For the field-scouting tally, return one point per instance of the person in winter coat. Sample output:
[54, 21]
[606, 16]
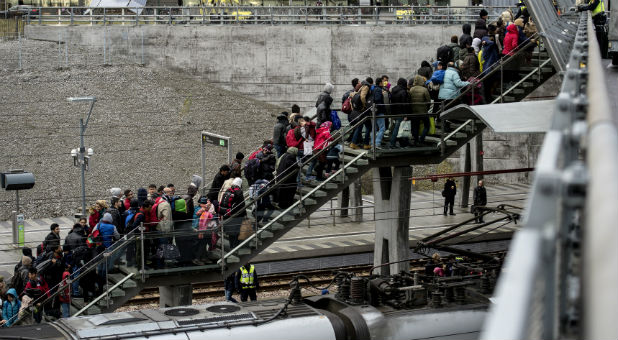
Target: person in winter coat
[233, 203]
[52, 240]
[294, 137]
[490, 54]
[465, 40]
[10, 308]
[96, 212]
[425, 70]
[65, 294]
[279, 134]
[476, 45]
[480, 200]
[470, 65]
[322, 139]
[454, 45]
[480, 26]
[217, 183]
[452, 84]
[420, 99]
[114, 210]
[400, 100]
[510, 40]
[449, 192]
[108, 231]
[287, 165]
[76, 238]
[323, 103]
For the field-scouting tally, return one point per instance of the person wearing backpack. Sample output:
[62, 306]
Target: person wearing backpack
[233, 202]
[268, 162]
[217, 183]
[400, 98]
[366, 98]
[288, 165]
[279, 133]
[264, 208]
[379, 100]
[114, 210]
[454, 45]
[323, 104]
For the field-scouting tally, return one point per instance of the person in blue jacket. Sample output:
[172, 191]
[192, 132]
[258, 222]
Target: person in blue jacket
[451, 88]
[10, 308]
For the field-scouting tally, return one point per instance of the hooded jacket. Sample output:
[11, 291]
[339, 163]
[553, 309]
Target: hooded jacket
[480, 28]
[466, 38]
[419, 96]
[108, 231]
[490, 54]
[75, 238]
[65, 294]
[452, 84]
[217, 184]
[470, 66]
[279, 130]
[322, 136]
[510, 40]
[10, 310]
[425, 70]
[400, 99]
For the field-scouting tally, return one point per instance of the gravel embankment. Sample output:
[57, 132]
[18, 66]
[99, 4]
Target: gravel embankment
[145, 126]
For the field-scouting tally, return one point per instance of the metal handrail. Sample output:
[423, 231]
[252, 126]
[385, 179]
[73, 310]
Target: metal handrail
[494, 68]
[100, 297]
[454, 132]
[267, 15]
[293, 206]
[523, 79]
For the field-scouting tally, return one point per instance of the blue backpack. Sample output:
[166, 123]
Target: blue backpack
[335, 119]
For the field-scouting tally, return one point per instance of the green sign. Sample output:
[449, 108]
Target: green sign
[21, 232]
[222, 142]
[213, 140]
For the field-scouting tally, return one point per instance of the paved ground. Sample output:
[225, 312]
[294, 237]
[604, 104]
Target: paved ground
[317, 236]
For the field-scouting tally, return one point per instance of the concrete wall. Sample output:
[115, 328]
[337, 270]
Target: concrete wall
[278, 64]
[289, 64]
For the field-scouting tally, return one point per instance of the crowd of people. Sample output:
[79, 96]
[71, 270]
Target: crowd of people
[196, 220]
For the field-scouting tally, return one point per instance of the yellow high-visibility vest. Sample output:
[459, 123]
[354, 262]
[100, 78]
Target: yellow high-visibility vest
[599, 9]
[246, 277]
[523, 5]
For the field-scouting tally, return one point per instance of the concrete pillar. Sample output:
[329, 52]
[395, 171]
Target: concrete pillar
[465, 188]
[343, 202]
[356, 200]
[479, 156]
[172, 296]
[392, 191]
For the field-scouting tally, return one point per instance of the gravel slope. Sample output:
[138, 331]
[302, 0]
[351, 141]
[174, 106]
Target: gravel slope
[144, 127]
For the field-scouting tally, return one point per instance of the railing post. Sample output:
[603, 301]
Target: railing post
[343, 152]
[169, 20]
[538, 56]
[40, 16]
[442, 141]
[19, 51]
[104, 16]
[143, 260]
[222, 248]
[72, 17]
[373, 129]
[502, 81]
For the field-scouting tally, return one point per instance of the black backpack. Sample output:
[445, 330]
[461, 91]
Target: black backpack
[369, 98]
[227, 202]
[357, 103]
[253, 170]
[445, 54]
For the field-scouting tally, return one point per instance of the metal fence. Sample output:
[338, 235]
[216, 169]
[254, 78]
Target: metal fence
[11, 28]
[543, 292]
[252, 15]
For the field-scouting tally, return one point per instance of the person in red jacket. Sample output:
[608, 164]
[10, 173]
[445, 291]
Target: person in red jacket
[510, 40]
[65, 293]
[322, 139]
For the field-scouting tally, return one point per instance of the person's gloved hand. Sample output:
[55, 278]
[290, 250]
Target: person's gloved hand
[581, 8]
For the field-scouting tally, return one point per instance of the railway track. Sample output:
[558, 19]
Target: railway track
[275, 282]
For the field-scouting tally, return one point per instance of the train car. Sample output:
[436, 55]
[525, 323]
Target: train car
[395, 307]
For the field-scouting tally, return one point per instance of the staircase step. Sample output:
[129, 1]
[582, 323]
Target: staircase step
[436, 140]
[79, 303]
[527, 84]
[277, 226]
[307, 201]
[305, 190]
[233, 259]
[518, 91]
[244, 251]
[288, 217]
[351, 170]
[266, 234]
[461, 135]
[360, 161]
[508, 99]
[115, 278]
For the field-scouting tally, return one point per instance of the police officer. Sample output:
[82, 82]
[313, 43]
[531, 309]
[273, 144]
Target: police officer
[247, 282]
[522, 12]
[597, 9]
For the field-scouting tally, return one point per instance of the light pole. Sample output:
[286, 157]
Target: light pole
[81, 155]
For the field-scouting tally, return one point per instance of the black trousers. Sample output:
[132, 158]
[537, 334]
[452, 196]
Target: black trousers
[449, 202]
[478, 213]
[248, 293]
